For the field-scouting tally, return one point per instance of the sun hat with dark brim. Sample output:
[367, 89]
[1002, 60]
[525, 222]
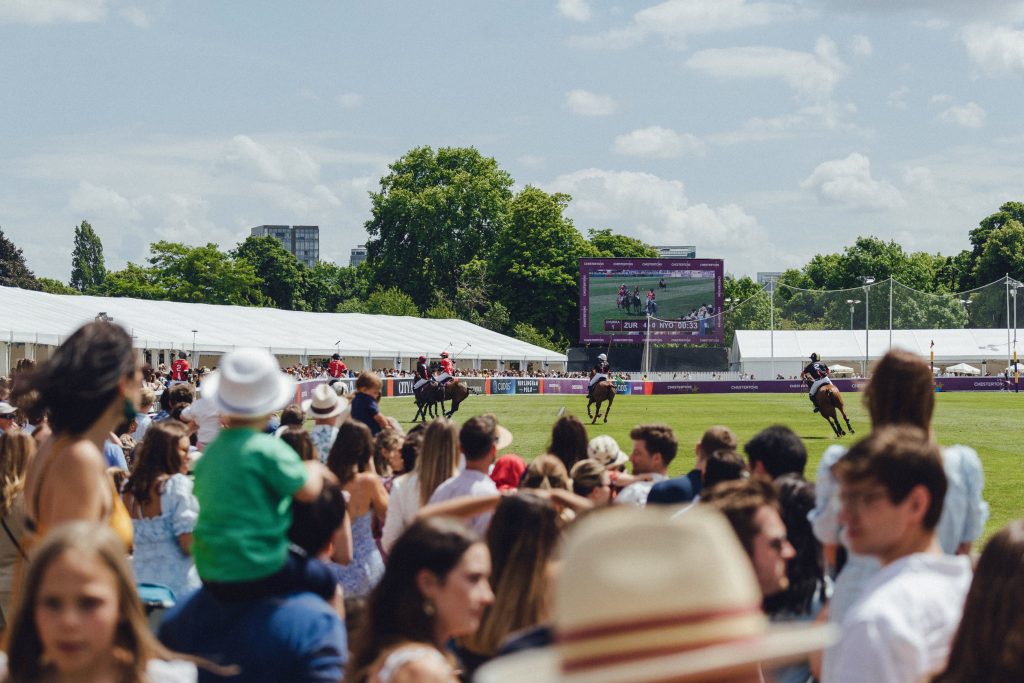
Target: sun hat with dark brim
[605, 449]
[325, 403]
[249, 383]
[691, 613]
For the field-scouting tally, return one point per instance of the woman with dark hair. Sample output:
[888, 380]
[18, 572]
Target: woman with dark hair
[808, 590]
[989, 645]
[159, 498]
[569, 441]
[300, 441]
[90, 383]
[522, 539]
[351, 461]
[435, 588]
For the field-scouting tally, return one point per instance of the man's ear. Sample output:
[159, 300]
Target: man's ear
[919, 500]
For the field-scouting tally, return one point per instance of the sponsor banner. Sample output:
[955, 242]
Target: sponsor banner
[565, 386]
[527, 385]
[503, 385]
[401, 387]
[305, 390]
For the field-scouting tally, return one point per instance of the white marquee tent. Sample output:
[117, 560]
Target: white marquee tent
[34, 322]
[753, 350]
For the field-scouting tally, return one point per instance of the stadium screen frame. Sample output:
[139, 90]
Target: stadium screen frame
[631, 328]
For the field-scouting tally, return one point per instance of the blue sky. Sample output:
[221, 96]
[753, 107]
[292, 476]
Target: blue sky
[762, 132]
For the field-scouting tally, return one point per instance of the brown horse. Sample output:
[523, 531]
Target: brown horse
[829, 399]
[603, 391]
[456, 392]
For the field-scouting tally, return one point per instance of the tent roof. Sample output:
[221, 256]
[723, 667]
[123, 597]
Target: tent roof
[950, 345]
[49, 318]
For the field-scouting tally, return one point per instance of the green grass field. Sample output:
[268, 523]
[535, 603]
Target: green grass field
[681, 296]
[988, 422]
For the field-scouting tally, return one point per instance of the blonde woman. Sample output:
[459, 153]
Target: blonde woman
[438, 461]
[16, 450]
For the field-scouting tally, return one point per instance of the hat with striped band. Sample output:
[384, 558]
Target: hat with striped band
[642, 597]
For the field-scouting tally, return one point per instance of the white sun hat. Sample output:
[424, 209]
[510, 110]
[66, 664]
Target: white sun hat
[249, 383]
[641, 598]
[325, 403]
[605, 449]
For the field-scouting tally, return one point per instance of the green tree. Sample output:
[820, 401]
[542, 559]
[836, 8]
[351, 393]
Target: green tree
[280, 273]
[87, 267]
[441, 310]
[14, 271]
[1010, 211]
[391, 301]
[52, 286]
[611, 245]
[435, 211]
[531, 335]
[134, 282]
[535, 264]
[204, 274]
[1003, 253]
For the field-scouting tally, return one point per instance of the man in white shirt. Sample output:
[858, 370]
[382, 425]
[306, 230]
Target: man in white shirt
[480, 438]
[654, 447]
[891, 489]
[206, 417]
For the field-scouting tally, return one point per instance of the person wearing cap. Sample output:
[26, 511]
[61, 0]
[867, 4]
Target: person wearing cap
[447, 373]
[611, 627]
[7, 417]
[422, 372]
[654, 448]
[816, 374]
[687, 488]
[337, 368]
[598, 373]
[245, 483]
[480, 439]
[325, 407]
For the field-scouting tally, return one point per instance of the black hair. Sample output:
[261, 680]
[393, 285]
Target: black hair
[779, 449]
[314, 523]
[806, 570]
[80, 380]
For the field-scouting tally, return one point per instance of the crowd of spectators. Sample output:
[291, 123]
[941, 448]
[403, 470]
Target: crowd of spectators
[321, 542]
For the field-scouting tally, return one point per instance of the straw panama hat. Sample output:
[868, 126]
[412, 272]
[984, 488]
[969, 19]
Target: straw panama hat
[605, 449]
[325, 403]
[641, 597]
[249, 383]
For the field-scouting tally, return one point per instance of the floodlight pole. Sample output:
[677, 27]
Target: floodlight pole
[771, 294]
[1007, 318]
[868, 281]
[1016, 377]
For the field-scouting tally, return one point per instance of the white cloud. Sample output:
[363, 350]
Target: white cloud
[51, 11]
[897, 99]
[933, 24]
[92, 200]
[675, 20]
[809, 120]
[994, 50]
[940, 98]
[809, 74]
[577, 10]
[969, 115]
[861, 46]
[277, 164]
[657, 142]
[919, 178]
[135, 16]
[349, 100]
[657, 211]
[848, 182]
[586, 103]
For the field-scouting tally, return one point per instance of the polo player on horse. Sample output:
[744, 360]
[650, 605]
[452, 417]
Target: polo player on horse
[447, 370]
[422, 373]
[597, 373]
[816, 373]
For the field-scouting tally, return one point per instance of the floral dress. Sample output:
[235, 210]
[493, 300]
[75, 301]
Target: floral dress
[158, 557]
[365, 570]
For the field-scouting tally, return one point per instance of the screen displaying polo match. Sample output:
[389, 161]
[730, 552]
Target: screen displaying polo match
[682, 299]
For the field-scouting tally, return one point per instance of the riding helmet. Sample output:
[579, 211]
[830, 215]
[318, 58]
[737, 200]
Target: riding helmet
[422, 359]
[336, 356]
[602, 357]
[444, 354]
[814, 357]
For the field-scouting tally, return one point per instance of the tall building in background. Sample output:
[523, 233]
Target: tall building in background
[301, 240]
[677, 252]
[357, 255]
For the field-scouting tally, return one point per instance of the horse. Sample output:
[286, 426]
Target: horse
[603, 391]
[634, 303]
[456, 392]
[662, 285]
[652, 307]
[828, 399]
[622, 302]
[427, 397]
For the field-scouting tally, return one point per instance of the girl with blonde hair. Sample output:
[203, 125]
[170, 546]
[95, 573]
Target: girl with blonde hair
[437, 462]
[79, 616]
[16, 450]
